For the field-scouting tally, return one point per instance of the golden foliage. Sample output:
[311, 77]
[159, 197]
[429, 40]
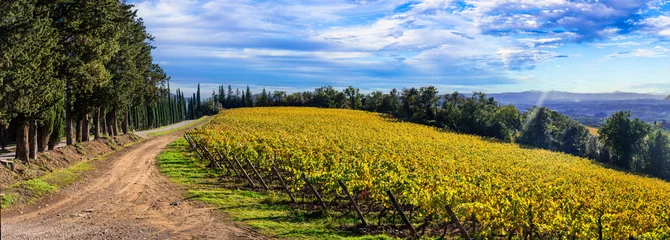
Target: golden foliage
[505, 185]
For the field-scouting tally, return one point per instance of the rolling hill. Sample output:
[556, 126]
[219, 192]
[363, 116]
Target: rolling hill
[504, 185]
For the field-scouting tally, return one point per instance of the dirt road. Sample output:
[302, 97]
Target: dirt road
[12, 149]
[124, 198]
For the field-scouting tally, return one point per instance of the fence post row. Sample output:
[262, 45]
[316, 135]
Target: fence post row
[231, 164]
[195, 148]
[318, 196]
[353, 202]
[244, 171]
[257, 174]
[288, 191]
[212, 160]
[402, 214]
[227, 162]
[454, 218]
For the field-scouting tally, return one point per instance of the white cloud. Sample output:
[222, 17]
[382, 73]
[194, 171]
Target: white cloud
[655, 52]
[430, 40]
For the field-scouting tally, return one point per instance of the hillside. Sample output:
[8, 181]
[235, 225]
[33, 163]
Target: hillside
[532, 97]
[503, 186]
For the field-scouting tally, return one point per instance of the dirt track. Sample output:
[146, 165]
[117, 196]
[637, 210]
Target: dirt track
[125, 197]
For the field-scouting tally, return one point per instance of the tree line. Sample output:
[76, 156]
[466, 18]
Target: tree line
[622, 142]
[78, 68]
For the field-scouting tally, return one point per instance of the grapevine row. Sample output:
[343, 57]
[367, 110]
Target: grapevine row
[511, 191]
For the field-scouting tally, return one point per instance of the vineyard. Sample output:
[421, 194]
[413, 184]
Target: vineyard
[505, 190]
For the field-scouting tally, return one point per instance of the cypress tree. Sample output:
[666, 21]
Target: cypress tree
[93, 24]
[249, 101]
[57, 126]
[229, 99]
[28, 45]
[198, 103]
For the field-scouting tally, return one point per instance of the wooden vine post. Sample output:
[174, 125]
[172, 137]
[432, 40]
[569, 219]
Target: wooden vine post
[318, 196]
[402, 214]
[226, 160]
[353, 202]
[454, 218]
[212, 159]
[257, 174]
[195, 148]
[283, 184]
[244, 171]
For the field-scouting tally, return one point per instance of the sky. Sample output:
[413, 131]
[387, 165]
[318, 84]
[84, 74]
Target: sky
[467, 45]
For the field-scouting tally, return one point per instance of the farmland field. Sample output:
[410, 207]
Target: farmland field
[511, 190]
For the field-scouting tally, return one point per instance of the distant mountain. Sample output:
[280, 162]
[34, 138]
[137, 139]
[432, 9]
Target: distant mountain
[532, 97]
[667, 98]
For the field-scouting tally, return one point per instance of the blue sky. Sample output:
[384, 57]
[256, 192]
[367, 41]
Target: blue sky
[466, 45]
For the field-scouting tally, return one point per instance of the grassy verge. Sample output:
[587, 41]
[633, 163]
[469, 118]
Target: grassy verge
[168, 131]
[31, 190]
[264, 212]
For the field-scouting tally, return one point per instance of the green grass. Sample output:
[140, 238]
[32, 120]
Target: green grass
[31, 190]
[265, 212]
[168, 131]
[37, 187]
[8, 200]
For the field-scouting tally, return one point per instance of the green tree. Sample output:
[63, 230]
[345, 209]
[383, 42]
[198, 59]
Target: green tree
[537, 128]
[28, 53]
[574, 138]
[391, 102]
[250, 98]
[373, 101]
[354, 98]
[279, 98]
[624, 138]
[658, 154]
[89, 36]
[262, 100]
[57, 126]
[222, 96]
[506, 123]
[198, 103]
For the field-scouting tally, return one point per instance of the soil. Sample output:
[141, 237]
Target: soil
[63, 157]
[124, 197]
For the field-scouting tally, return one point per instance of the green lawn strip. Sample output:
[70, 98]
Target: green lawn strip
[168, 131]
[265, 212]
[31, 190]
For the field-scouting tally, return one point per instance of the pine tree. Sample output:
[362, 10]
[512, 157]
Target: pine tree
[250, 99]
[229, 99]
[261, 100]
[222, 96]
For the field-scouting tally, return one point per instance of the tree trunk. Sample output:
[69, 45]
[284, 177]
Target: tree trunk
[125, 123]
[86, 128]
[43, 133]
[110, 125]
[68, 126]
[103, 115]
[22, 129]
[3, 137]
[32, 141]
[115, 123]
[78, 125]
[96, 120]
